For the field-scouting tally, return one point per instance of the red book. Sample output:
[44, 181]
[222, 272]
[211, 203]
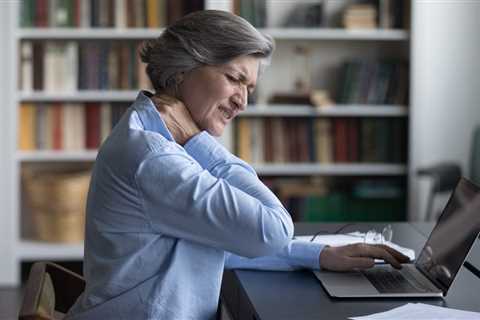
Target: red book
[341, 140]
[76, 13]
[57, 127]
[92, 125]
[41, 13]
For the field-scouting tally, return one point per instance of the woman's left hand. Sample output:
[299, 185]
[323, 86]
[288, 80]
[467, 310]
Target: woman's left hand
[177, 118]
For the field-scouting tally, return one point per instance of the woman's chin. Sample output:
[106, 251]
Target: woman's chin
[217, 131]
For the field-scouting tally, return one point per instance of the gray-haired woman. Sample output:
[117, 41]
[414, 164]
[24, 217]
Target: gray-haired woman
[169, 207]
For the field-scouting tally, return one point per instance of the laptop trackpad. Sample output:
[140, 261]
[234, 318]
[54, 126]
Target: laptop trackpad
[346, 284]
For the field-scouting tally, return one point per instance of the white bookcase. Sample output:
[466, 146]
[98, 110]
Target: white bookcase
[329, 47]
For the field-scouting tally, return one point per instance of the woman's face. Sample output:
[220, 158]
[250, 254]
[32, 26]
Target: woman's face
[214, 95]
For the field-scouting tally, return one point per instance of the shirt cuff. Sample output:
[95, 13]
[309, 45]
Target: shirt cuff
[306, 254]
[206, 150]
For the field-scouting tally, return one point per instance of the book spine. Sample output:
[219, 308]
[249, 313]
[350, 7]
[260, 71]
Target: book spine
[92, 125]
[120, 14]
[26, 126]
[57, 126]
[105, 121]
[26, 63]
[244, 138]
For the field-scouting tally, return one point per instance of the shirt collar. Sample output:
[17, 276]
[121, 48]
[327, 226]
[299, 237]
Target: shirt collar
[149, 115]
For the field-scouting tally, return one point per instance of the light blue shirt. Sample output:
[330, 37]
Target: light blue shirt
[163, 221]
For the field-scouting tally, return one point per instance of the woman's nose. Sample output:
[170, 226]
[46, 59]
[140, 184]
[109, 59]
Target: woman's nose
[240, 100]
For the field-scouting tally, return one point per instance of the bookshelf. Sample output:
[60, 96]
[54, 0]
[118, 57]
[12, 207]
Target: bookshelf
[323, 42]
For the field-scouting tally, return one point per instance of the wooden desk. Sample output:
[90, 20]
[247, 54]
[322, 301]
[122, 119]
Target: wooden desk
[299, 295]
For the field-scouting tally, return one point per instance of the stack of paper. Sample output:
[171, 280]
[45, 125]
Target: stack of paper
[421, 311]
[351, 238]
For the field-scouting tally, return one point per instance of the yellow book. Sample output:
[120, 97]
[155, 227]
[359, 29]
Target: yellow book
[244, 137]
[152, 13]
[26, 127]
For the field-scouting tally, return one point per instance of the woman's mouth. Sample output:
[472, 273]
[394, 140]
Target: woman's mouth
[227, 113]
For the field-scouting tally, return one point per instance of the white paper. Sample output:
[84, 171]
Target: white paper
[336, 240]
[421, 311]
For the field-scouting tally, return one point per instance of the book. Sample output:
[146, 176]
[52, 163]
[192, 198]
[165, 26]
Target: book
[38, 65]
[41, 126]
[57, 126]
[26, 139]
[244, 137]
[26, 65]
[257, 141]
[69, 122]
[92, 125]
[340, 140]
[105, 121]
[324, 140]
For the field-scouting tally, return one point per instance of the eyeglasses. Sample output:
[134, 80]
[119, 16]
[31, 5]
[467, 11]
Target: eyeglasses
[375, 237]
[371, 237]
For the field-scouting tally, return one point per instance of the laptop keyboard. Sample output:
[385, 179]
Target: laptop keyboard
[393, 281]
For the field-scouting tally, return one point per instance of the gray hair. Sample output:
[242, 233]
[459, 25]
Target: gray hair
[208, 37]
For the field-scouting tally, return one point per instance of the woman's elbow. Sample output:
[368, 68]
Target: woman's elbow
[275, 236]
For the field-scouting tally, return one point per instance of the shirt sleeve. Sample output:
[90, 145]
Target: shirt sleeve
[296, 255]
[212, 199]
[213, 156]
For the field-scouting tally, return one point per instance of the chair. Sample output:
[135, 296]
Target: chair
[444, 176]
[50, 292]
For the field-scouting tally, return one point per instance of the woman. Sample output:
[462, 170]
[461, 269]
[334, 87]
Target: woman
[169, 207]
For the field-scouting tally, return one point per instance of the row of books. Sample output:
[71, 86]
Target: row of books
[69, 126]
[321, 140]
[55, 66]
[373, 82]
[105, 13]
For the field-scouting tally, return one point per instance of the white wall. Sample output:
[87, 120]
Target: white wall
[445, 87]
[8, 271]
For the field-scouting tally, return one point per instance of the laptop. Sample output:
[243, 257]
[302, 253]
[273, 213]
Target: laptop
[435, 269]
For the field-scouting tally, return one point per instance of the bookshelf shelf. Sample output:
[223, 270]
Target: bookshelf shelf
[340, 169]
[79, 96]
[87, 33]
[277, 33]
[53, 156]
[36, 250]
[338, 110]
[336, 34]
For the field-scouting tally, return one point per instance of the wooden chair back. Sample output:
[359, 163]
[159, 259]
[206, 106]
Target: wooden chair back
[50, 292]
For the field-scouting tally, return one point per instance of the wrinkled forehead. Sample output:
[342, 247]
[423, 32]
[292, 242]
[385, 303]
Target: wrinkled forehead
[247, 66]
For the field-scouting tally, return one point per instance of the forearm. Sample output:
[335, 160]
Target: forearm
[296, 255]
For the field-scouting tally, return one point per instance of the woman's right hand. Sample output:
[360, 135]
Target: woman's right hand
[177, 118]
[359, 256]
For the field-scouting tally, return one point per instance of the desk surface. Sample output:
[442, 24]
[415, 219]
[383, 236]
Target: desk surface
[299, 295]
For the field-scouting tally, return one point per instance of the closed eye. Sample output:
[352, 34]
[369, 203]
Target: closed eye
[232, 78]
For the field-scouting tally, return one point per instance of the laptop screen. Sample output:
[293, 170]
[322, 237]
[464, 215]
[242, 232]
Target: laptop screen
[453, 236]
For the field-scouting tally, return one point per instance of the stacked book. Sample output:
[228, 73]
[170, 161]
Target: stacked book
[360, 16]
[66, 126]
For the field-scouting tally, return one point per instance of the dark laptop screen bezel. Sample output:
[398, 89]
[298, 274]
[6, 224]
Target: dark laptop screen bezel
[441, 285]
